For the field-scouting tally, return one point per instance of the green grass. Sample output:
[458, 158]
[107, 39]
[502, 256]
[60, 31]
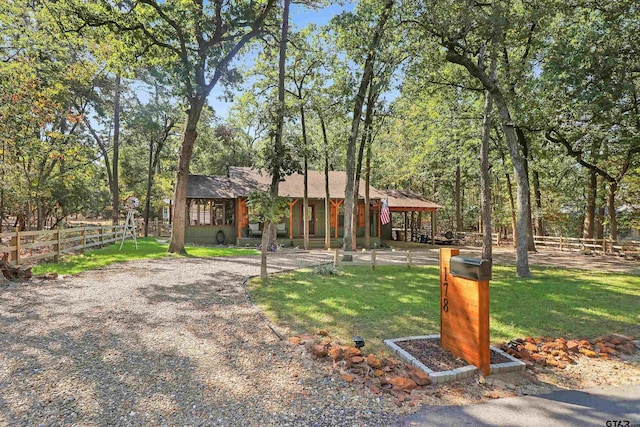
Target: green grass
[394, 301]
[148, 248]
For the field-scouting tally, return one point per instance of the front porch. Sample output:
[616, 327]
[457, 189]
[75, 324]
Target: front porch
[298, 241]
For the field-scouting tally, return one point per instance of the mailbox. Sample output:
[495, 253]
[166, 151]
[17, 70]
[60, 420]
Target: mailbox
[471, 268]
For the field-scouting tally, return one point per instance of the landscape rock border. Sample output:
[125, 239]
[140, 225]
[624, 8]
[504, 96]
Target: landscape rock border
[514, 365]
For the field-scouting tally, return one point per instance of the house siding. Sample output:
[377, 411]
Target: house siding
[206, 234]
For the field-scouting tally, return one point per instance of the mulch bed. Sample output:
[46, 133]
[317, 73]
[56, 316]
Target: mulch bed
[434, 357]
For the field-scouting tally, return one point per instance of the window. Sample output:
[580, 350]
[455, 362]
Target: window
[229, 212]
[199, 212]
[218, 212]
[211, 212]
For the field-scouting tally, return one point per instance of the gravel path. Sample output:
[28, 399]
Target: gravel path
[164, 342]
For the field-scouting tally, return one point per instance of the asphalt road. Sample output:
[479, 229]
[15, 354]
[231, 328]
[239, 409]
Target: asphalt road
[603, 407]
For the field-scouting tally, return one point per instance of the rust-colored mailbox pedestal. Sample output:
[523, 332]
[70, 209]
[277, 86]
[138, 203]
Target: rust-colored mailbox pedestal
[464, 307]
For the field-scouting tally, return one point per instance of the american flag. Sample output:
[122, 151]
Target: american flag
[385, 215]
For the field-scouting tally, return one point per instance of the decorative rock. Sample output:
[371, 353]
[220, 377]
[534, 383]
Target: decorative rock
[378, 373]
[585, 344]
[403, 383]
[357, 359]
[336, 354]
[531, 348]
[347, 377]
[295, 340]
[572, 346]
[539, 358]
[419, 377]
[628, 348]
[588, 353]
[323, 333]
[524, 354]
[349, 352]
[318, 351]
[374, 362]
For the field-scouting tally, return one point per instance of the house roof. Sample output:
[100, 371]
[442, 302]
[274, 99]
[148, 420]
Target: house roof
[406, 200]
[211, 187]
[244, 180]
[293, 185]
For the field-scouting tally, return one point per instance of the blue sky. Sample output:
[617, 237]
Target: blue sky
[300, 17]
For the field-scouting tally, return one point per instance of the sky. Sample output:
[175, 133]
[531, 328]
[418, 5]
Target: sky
[299, 17]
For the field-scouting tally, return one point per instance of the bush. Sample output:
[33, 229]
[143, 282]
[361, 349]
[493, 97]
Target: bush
[326, 270]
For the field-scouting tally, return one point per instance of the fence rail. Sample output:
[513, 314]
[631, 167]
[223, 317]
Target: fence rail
[577, 244]
[27, 246]
[605, 246]
[476, 238]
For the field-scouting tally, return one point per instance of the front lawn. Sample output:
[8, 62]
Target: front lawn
[148, 248]
[393, 302]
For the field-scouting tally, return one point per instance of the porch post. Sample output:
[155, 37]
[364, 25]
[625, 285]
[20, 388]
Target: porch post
[291, 204]
[237, 217]
[405, 226]
[433, 227]
[379, 220]
[338, 215]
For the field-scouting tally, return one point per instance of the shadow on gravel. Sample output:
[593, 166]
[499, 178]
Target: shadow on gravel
[121, 368]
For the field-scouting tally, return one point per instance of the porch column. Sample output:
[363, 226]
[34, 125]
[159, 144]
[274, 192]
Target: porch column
[335, 205]
[379, 220]
[291, 204]
[237, 217]
[433, 228]
[405, 226]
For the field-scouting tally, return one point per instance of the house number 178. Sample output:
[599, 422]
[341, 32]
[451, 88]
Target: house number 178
[445, 301]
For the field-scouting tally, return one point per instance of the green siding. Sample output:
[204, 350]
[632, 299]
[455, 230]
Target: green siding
[206, 235]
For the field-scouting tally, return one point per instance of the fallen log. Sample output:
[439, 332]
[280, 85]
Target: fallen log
[13, 272]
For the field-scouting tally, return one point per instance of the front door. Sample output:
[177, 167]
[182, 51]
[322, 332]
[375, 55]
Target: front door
[311, 217]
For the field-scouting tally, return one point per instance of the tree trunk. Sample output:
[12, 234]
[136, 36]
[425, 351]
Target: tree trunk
[524, 144]
[305, 199]
[485, 187]
[522, 256]
[182, 176]
[536, 191]
[611, 208]
[367, 74]
[367, 199]
[278, 147]
[601, 201]
[590, 210]
[147, 202]
[327, 196]
[365, 140]
[459, 226]
[115, 191]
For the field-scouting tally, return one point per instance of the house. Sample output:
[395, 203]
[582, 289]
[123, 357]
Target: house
[218, 212]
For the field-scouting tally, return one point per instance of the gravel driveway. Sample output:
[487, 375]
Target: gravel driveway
[164, 342]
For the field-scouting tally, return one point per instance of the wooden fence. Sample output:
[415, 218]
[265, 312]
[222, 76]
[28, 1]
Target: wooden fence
[27, 246]
[603, 246]
[476, 238]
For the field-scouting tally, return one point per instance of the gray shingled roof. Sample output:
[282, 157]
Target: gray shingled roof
[405, 199]
[244, 180]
